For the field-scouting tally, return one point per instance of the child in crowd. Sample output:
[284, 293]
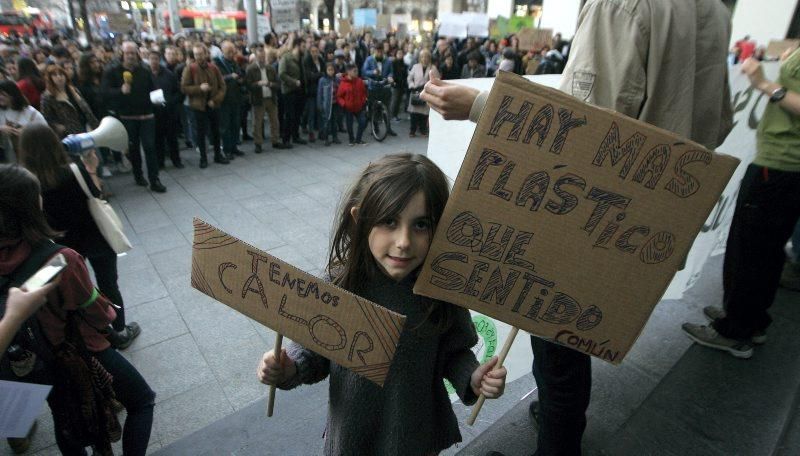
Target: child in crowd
[385, 227]
[352, 97]
[326, 104]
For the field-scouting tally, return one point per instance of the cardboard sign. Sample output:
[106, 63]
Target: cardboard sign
[568, 221]
[285, 16]
[776, 48]
[340, 326]
[344, 27]
[534, 38]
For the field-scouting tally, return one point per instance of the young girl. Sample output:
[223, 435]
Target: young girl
[384, 232]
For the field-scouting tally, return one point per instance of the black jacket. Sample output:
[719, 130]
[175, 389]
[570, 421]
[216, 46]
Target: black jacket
[137, 102]
[168, 82]
[311, 74]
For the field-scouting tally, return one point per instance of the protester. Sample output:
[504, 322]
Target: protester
[766, 214]
[73, 314]
[264, 85]
[419, 75]
[127, 86]
[15, 113]
[290, 72]
[400, 86]
[473, 69]
[377, 71]
[352, 97]
[30, 81]
[328, 108]
[313, 69]
[605, 33]
[63, 105]
[448, 68]
[230, 109]
[385, 227]
[205, 89]
[166, 114]
[65, 205]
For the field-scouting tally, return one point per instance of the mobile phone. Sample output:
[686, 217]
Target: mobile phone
[47, 273]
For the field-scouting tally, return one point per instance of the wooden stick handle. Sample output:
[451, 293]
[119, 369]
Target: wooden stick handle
[277, 349]
[500, 358]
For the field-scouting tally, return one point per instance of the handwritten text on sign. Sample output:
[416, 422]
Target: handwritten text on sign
[569, 221]
[338, 325]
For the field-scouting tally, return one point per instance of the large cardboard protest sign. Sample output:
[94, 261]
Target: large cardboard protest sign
[567, 220]
[340, 326]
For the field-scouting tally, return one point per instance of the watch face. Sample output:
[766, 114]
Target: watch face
[778, 95]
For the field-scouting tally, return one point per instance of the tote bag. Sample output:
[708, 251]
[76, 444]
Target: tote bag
[104, 216]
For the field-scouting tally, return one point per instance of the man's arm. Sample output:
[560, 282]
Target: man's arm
[608, 60]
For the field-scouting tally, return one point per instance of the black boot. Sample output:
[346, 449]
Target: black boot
[219, 158]
[123, 339]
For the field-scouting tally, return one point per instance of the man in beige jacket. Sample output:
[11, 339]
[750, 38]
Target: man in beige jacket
[202, 82]
[659, 61]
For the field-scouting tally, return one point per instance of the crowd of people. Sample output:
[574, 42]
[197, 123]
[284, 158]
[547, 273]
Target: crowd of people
[220, 91]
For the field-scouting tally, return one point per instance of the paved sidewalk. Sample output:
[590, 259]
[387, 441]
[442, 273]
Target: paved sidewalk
[198, 355]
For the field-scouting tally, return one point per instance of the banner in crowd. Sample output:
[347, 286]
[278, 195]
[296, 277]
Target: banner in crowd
[569, 221]
[365, 17]
[334, 323]
[462, 25]
[534, 38]
[285, 16]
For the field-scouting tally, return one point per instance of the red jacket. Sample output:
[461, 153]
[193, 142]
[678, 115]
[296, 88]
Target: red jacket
[31, 92]
[352, 94]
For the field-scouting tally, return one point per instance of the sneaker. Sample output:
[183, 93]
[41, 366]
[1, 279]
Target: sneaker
[203, 163]
[790, 277]
[221, 159]
[713, 313]
[257, 149]
[123, 339]
[238, 152]
[709, 337]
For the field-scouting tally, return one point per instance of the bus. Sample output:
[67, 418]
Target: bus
[204, 20]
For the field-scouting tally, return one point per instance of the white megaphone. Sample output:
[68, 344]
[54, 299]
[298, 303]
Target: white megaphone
[111, 133]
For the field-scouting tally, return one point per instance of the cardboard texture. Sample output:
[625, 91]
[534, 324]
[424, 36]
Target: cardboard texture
[777, 47]
[344, 26]
[567, 220]
[534, 38]
[353, 332]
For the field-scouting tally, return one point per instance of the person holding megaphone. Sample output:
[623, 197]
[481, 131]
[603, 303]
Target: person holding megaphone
[127, 85]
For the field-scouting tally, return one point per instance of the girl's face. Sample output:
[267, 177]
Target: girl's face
[59, 80]
[399, 245]
[4, 100]
[330, 71]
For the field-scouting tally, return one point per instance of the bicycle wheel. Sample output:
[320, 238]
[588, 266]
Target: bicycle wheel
[379, 118]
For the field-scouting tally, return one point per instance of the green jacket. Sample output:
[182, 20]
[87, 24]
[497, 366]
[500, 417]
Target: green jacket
[290, 72]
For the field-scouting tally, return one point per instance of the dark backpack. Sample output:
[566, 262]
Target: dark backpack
[29, 340]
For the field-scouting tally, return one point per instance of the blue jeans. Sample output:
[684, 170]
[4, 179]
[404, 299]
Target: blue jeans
[229, 125]
[330, 126]
[311, 114]
[137, 397]
[187, 119]
[564, 379]
[362, 124]
[142, 133]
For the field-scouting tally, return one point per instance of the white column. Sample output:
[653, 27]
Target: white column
[174, 16]
[252, 21]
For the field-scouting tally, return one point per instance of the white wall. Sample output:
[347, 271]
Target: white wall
[561, 16]
[763, 20]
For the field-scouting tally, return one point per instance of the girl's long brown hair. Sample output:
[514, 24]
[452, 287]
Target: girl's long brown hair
[41, 152]
[382, 191]
[21, 215]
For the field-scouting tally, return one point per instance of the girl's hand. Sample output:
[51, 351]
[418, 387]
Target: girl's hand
[489, 381]
[272, 371]
[21, 304]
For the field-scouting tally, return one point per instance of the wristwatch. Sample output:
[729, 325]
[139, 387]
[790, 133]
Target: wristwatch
[777, 95]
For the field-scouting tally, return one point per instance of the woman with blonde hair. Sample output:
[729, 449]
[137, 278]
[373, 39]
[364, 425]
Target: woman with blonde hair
[420, 74]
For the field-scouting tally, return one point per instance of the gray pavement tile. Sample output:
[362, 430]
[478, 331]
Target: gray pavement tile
[49, 451]
[161, 239]
[134, 260]
[173, 262]
[237, 187]
[159, 320]
[44, 440]
[189, 411]
[142, 221]
[234, 362]
[213, 324]
[172, 367]
[141, 286]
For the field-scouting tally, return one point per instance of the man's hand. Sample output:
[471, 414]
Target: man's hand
[452, 101]
[211, 104]
[126, 88]
[205, 87]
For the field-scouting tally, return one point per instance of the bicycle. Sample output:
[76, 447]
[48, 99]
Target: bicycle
[377, 112]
